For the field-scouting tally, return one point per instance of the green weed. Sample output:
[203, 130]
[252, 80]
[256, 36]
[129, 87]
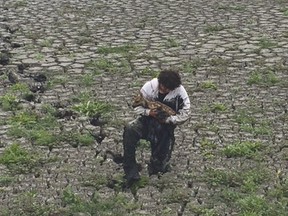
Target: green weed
[118, 49]
[85, 139]
[216, 177]
[143, 144]
[253, 205]
[116, 205]
[207, 148]
[18, 132]
[143, 182]
[148, 57]
[176, 195]
[9, 102]
[33, 36]
[213, 28]
[252, 179]
[19, 160]
[280, 190]
[243, 117]
[230, 195]
[149, 72]
[87, 80]
[208, 85]
[19, 88]
[191, 66]
[266, 43]
[57, 80]
[27, 203]
[284, 11]
[84, 40]
[135, 83]
[172, 42]
[218, 107]
[261, 128]
[92, 108]
[76, 139]
[38, 130]
[264, 77]
[96, 180]
[6, 180]
[218, 61]
[83, 97]
[48, 109]
[231, 7]
[20, 3]
[241, 149]
[26, 118]
[42, 137]
[39, 56]
[106, 65]
[203, 210]
[119, 66]
[46, 43]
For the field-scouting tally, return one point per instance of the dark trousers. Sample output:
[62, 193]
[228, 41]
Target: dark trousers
[161, 137]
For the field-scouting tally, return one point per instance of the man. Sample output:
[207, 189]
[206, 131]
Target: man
[166, 88]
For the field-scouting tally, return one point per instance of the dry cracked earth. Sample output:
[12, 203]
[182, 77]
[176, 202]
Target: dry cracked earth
[69, 69]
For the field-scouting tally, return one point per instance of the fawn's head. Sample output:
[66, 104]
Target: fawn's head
[138, 100]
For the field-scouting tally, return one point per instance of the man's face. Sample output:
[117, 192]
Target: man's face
[163, 89]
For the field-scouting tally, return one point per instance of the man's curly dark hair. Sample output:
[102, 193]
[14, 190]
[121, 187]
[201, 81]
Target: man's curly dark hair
[170, 79]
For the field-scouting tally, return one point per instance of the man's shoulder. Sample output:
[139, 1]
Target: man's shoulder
[151, 86]
[179, 90]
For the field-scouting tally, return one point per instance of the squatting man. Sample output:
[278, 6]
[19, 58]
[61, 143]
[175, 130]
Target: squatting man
[166, 88]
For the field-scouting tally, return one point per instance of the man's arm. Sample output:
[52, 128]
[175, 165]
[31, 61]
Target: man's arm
[184, 113]
[139, 110]
[146, 92]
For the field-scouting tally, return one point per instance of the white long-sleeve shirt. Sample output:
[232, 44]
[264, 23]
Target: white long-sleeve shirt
[177, 99]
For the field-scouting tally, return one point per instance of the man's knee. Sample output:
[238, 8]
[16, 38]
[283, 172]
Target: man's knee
[130, 131]
[133, 128]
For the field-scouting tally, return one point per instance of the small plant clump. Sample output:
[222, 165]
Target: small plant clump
[285, 11]
[117, 49]
[19, 160]
[28, 203]
[172, 42]
[192, 66]
[231, 7]
[149, 72]
[76, 139]
[218, 107]
[242, 149]
[176, 195]
[119, 66]
[266, 43]
[117, 205]
[6, 180]
[9, 102]
[213, 28]
[92, 108]
[263, 78]
[208, 85]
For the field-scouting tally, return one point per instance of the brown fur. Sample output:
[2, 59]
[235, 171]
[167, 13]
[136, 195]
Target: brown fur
[139, 100]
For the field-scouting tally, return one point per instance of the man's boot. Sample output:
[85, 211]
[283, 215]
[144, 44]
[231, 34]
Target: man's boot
[131, 173]
[156, 166]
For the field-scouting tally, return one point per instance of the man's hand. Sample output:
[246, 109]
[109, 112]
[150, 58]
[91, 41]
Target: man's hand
[153, 113]
[159, 115]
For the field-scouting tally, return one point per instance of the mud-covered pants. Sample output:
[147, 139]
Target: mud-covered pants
[161, 138]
